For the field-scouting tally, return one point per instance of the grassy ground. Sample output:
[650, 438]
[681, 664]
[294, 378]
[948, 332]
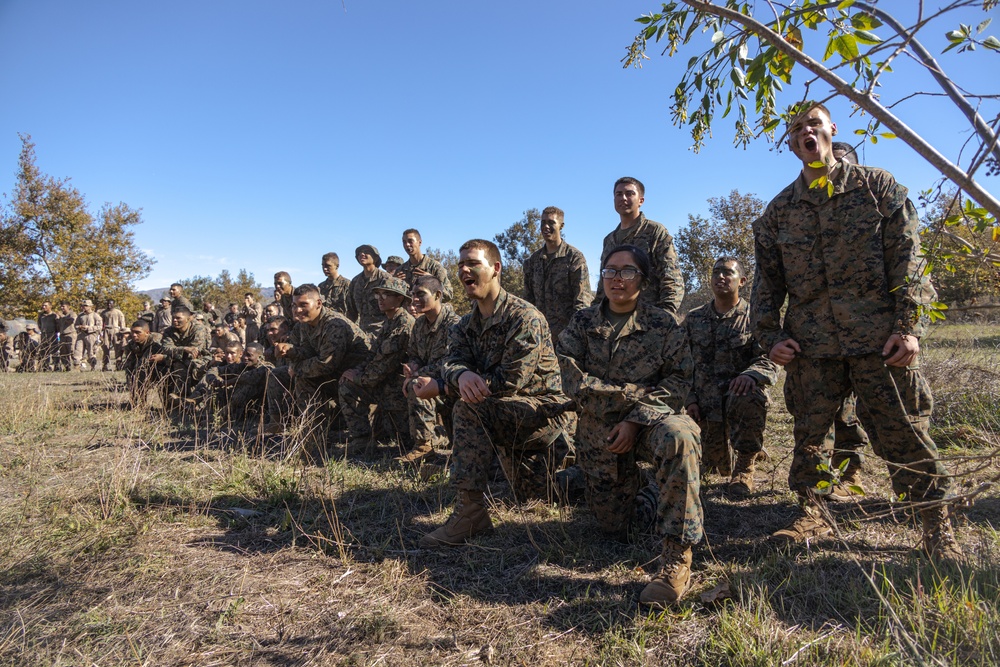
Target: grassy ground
[130, 540]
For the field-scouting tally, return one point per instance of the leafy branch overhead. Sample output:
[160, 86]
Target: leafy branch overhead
[750, 51]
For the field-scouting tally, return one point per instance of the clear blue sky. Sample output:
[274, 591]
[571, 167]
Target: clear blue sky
[260, 135]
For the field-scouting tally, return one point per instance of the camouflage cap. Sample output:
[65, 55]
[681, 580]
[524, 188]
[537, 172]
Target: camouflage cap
[394, 259]
[394, 285]
[369, 250]
[87, 302]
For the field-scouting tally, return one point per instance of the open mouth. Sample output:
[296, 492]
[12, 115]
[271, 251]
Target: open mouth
[469, 282]
[809, 143]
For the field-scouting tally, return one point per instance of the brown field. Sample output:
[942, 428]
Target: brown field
[129, 539]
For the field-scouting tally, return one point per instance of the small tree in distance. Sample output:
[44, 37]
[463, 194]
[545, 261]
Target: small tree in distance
[516, 243]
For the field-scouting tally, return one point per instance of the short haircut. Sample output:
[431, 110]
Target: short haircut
[725, 259]
[283, 274]
[279, 321]
[183, 310]
[804, 107]
[631, 181]
[554, 211]
[332, 256]
[488, 247]
[233, 344]
[249, 294]
[64, 303]
[177, 285]
[221, 324]
[638, 254]
[849, 154]
[256, 347]
[140, 324]
[307, 288]
[413, 231]
[431, 283]
[233, 305]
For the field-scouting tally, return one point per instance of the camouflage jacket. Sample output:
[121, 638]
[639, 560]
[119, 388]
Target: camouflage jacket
[183, 301]
[67, 325]
[238, 373]
[252, 313]
[665, 288]
[161, 319]
[137, 355]
[175, 343]
[431, 266]
[334, 291]
[849, 265]
[558, 285]
[384, 365]
[429, 342]
[88, 323]
[512, 350]
[722, 348]
[328, 348]
[640, 375]
[362, 306]
[114, 321]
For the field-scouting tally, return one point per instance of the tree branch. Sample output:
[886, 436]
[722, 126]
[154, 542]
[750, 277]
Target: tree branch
[866, 102]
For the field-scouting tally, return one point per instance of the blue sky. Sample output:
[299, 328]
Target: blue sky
[260, 135]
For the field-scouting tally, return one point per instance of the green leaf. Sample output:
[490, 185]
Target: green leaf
[718, 37]
[992, 43]
[857, 489]
[982, 26]
[738, 77]
[955, 35]
[860, 132]
[845, 4]
[846, 46]
[866, 37]
[818, 164]
[874, 139]
[829, 189]
[887, 135]
[822, 484]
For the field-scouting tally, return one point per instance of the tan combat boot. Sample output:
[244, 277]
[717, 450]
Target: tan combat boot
[810, 525]
[469, 518]
[848, 488]
[674, 578]
[742, 484]
[419, 452]
[939, 540]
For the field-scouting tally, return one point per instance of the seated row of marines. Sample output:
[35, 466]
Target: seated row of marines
[621, 376]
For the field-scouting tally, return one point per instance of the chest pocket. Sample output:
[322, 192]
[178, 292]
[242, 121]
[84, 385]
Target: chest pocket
[803, 265]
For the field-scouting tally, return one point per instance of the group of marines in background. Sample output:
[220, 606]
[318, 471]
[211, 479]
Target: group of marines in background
[570, 392]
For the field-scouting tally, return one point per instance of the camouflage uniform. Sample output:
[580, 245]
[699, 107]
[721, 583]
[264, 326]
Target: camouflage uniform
[851, 270]
[140, 372]
[558, 285]
[88, 331]
[253, 315]
[428, 348]
[48, 326]
[722, 348]
[6, 348]
[318, 357]
[520, 421]
[642, 375]
[241, 389]
[182, 301]
[335, 291]
[67, 341]
[434, 268]
[665, 288]
[184, 369]
[161, 320]
[362, 306]
[380, 383]
[111, 336]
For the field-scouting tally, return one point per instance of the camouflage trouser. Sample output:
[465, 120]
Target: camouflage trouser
[140, 380]
[850, 437]
[111, 343]
[67, 353]
[673, 446]
[315, 400]
[522, 431]
[86, 345]
[394, 423]
[278, 395]
[899, 403]
[246, 399]
[183, 376]
[49, 352]
[741, 429]
[424, 415]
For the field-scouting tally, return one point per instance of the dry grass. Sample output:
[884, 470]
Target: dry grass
[134, 540]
